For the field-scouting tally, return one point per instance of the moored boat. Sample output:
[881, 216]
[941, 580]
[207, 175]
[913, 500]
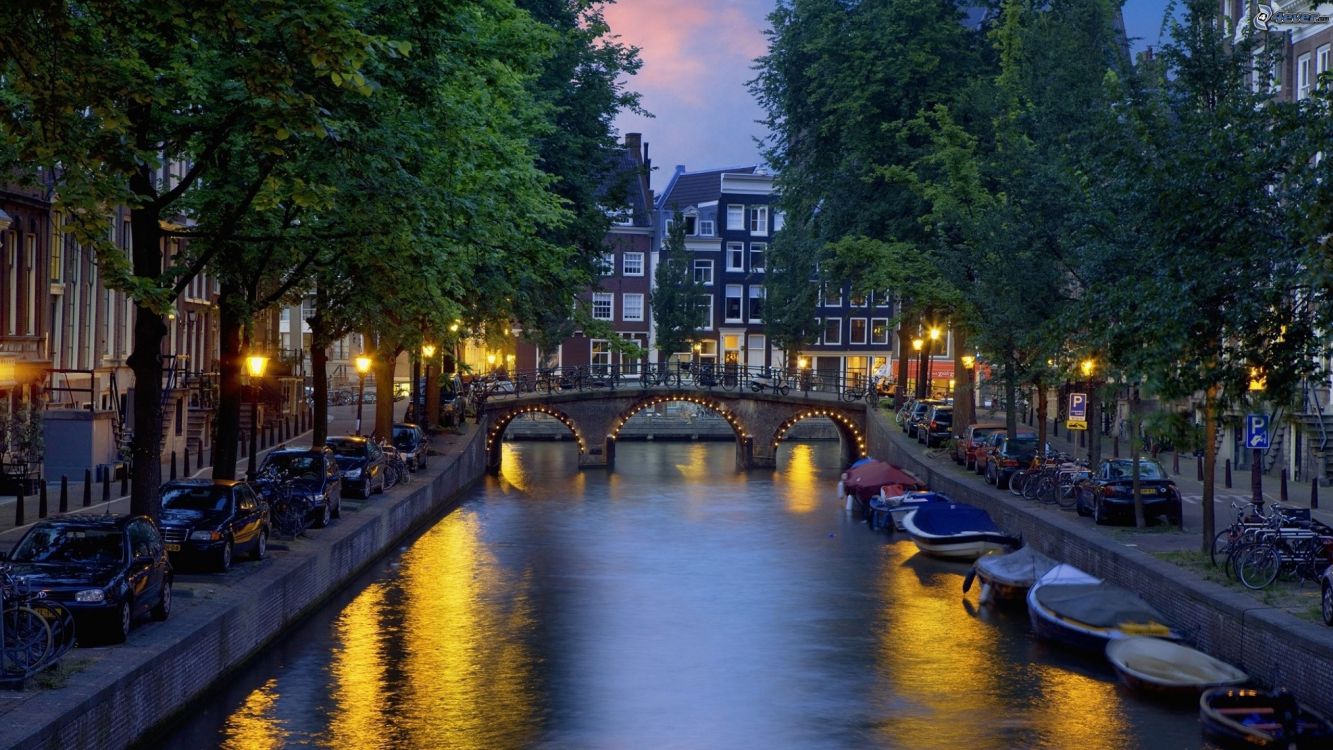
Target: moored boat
[1167, 669]
[1006, 578]
[1236, 719]
[892, 507]
[1079, 610]
[955, 530]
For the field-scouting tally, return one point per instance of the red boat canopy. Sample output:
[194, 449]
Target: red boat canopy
[865, 480]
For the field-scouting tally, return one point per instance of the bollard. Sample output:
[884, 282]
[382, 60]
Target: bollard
[1175, 463]
[1082, 438]
[41, 500]
[1283, 486]
[18, 506]
[87, 487]
[1228, 474]
[173, 463]
[106, 487]
[1314, 492]
[64, 494]
[1200, 468]
[1115, 447]
[125, 480]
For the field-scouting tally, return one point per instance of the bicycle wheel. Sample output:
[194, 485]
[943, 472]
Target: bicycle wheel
[1018, 481]
[1260, 566]
[872, 397]
[1221, 545]
[1031, 487]
[27, 641]
[1064, 495]
[390, 475]
[1046, 490]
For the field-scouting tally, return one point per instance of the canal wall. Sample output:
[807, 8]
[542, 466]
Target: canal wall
[1273, 646]
[137, 686]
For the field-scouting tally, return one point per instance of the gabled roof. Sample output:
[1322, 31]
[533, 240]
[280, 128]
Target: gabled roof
[693, 188]
[625, 175]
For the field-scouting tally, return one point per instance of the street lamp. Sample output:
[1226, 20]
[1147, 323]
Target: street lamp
[803, 365]
[934, 334]
[1258, 383]
[254, 365]
[363, 365]
[917, 344]
[1087, 366]
[490, 362]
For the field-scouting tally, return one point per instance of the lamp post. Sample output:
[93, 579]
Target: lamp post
[490, 363]
[1088, 368]
[254, 365]
[363, 365]
[431, 405]
[1258, 383]
[917, 344]
[934, 334]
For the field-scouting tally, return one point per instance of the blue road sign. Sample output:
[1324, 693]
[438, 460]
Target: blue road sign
[1256, 431]
[1078, 406]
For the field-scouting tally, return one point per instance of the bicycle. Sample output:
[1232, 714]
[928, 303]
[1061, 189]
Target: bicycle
[288, 509]
[1301, 552]
[35, 632]
[1249, 518]
[395, 467]
[860, 393]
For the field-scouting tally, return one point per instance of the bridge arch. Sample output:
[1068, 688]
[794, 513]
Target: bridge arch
[726, 412]
[496, 430]
[853, 435]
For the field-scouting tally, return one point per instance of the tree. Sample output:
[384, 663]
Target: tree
[675, 297]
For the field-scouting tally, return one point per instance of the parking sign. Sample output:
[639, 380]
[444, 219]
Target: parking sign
[1256, 431]
[1078, 411]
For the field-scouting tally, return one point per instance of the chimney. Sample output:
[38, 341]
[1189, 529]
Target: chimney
[633, 143]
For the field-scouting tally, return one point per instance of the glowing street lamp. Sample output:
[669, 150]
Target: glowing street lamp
[918, 345]
[1258, 384]
[255, 364]
[363, 364]
[1087, 366]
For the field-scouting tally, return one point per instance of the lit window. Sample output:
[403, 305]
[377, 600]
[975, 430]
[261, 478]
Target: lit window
[601, 356]
[857, 300]
[879, 331]
[603, 306]
[633, 264]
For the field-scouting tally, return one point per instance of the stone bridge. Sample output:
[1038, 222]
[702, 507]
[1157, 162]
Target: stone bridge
[595, 416]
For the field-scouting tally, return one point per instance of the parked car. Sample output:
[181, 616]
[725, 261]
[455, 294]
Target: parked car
[1009, 456]
[937, 426]
[360, 462]
[412, 443]
[904, 412]
[209, 520]
[991, 444]
[108, 570]
[314, 472]
[1107, 495]
[1326, 595]
[970, 440]
[918, 414]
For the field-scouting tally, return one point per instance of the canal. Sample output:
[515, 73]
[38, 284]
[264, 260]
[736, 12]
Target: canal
[674, 603]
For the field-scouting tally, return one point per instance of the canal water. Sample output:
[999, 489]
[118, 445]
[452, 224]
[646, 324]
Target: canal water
[674, 603]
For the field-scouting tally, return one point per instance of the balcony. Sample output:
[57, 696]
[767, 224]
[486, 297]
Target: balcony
[24, 348]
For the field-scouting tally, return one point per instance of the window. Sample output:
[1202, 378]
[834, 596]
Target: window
[632, 265]
[879, 331]
[732, 311]
[857, 300]
[756, 304]
[603, 306]
[632, 307]
[759, 220]
[735, 218]
[858, 333]
[1303, 77]
[883, 299]
[601, 356]
[832, 295]
[735, 256]
[779, 220]
[606, 264]
[706, 228]
[1320, 63]
[691, 223]
[57, 256]
[703, 272]
[705, 309]
[757, 250]
[832, 330]
[630, 366]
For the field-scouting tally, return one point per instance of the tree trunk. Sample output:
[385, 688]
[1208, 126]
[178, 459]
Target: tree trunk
[230, 394]
[963, 399]
[319, 373]
[146, 358]
[1041, 416]
[900, 391]
[1139, 519]
[1209, 464]
[1094, 429]
[384, 366]
[1010, 398]
[431, 419]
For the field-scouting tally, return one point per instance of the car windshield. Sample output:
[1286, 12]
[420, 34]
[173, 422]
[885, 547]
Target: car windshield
[943, 417]
[348, 448]
[195, 498]
[979, 433]
[70, 544]
[294, 463]
[1022, 445]
[404, 437]
[1148, 469]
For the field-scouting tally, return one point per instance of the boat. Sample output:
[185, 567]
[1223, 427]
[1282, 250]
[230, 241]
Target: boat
[1072, 607]
[1169, 670]
[888, 510]
[1234, 718]
[864, 482]
[1006, 578]
[955, 530]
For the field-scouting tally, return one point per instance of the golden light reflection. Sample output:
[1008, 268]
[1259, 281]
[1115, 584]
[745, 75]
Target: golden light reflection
[955, 698]
[800, 480]
[696, 467]
[512, 472]
[255, 726]
[359, 670]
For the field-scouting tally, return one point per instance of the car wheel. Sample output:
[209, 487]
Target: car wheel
[368, 489]
[261, 546]
[1079, 507]
[163, 608]
[1098, 515]
[338, 507]
[990, 476]
[224, 557]
[325, 514]
[120, 624]
[1327, 605]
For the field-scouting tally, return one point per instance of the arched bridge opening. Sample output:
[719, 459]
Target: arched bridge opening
[851, 432]
[744, 439]
[501, 421]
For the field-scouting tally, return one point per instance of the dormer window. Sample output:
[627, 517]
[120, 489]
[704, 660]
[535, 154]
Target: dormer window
[691, 224]
[706, 227]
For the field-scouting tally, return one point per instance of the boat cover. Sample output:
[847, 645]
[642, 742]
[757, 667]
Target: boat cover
[1100, 605]
[915, 498]
[1022, 567]
[946, 519]
[865, 480]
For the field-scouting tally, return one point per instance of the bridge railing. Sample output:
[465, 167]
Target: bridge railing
[704, 377]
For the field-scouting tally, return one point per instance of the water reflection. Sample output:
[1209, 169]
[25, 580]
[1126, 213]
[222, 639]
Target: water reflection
[674, 603]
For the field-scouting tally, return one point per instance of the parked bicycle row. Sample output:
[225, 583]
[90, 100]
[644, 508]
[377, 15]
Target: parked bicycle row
[88, 578]
[1262, 546]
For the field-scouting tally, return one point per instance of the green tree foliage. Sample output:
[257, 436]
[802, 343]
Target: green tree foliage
[677, 313]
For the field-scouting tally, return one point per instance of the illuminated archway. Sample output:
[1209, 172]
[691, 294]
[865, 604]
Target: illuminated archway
[851, 433]
[742, 433]
[497, 428]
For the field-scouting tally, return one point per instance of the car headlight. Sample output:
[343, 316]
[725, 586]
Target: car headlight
[90, 596]
[352, 474]
[205, 536]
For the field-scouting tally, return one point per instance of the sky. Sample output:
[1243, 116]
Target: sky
[697, 57]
